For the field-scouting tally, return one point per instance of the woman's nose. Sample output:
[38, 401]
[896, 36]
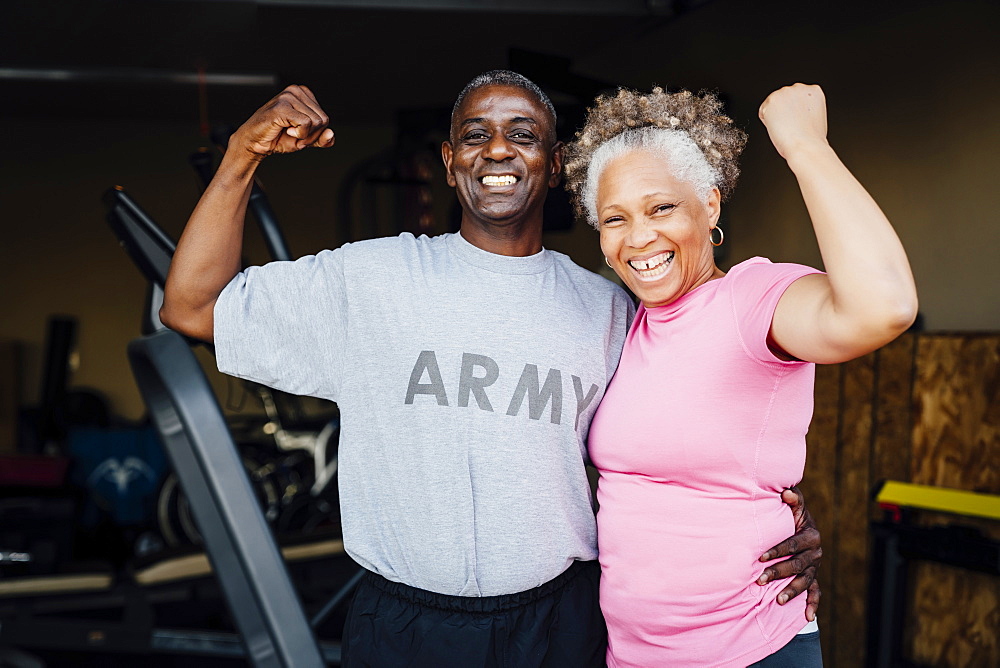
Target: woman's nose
[640, 234]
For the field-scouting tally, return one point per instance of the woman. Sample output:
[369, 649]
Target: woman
[714, 390]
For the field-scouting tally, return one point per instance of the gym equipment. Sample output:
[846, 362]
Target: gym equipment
[104, 612]
[897, 541]
[291, 500]
[152, 250]
[119, 612]
[147, 245]
[60, 342]
[245, 557]
[258, 204]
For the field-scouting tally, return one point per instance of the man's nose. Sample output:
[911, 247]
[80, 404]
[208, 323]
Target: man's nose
[498, 148]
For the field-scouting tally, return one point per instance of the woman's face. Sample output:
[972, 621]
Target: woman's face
[655, 229]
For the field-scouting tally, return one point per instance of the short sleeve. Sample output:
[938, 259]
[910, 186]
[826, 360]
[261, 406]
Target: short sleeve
[284, 325]
[756, 287]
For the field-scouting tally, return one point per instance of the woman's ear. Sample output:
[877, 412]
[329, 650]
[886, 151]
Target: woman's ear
[713, 205]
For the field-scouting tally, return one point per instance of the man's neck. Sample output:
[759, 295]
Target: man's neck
[514, 241]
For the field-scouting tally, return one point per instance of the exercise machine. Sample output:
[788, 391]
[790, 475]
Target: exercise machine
[898, 541]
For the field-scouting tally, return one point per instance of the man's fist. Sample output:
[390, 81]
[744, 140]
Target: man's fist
[289, 122]
[795, 116]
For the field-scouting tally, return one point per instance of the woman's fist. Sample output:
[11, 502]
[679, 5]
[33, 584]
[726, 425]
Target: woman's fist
[795, 116]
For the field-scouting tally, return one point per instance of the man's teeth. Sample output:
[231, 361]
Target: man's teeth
[507, 180]
[655, 262]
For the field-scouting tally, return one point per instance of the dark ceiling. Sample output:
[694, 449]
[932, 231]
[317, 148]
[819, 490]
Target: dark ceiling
[217, 60]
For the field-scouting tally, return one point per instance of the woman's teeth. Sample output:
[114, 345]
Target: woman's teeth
[653, 266]
[507, 180]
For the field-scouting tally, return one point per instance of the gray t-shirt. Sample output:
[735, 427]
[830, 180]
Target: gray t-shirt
[466, 383]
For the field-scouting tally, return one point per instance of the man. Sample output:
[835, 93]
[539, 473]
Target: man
[467, 368]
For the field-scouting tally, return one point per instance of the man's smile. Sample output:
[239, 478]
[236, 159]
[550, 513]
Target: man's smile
[498, 180]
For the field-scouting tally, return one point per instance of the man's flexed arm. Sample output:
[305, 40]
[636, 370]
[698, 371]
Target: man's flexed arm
[208, 253]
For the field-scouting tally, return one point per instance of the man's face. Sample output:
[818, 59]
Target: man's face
[502, 158]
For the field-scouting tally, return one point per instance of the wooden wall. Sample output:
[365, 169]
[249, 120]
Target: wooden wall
[924, 409]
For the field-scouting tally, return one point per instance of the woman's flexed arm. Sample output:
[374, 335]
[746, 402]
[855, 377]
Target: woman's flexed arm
[867, 297]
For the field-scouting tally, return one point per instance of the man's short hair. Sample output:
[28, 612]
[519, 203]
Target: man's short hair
[504, 78]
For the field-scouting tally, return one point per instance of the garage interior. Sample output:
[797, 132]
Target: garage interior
[104, 93]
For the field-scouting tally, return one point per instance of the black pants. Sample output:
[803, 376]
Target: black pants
[802, 651]
[558, 624]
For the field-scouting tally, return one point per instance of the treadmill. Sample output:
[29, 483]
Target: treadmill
[273, 628]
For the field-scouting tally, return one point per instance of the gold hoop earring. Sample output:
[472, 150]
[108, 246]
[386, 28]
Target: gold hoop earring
[711, 236]
[608, 262]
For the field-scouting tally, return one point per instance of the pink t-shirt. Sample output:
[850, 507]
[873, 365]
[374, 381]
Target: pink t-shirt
[699, 431]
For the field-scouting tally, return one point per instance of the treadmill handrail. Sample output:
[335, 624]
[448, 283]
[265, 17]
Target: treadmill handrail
[244, 555]
[145, 242]
[258, 204]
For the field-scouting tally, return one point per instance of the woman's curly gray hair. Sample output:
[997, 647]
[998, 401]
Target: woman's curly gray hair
[700, 143]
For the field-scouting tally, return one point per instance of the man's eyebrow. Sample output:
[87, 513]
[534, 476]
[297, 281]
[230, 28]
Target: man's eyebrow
[515, 119]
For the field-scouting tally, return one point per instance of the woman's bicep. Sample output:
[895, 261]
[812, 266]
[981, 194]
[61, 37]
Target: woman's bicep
[806, 325]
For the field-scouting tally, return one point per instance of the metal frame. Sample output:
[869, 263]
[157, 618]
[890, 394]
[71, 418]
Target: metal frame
[897, 542]
[564, 7]
[244, 555]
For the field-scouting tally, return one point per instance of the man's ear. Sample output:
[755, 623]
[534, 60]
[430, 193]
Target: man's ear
[555, 176]
[447, 153]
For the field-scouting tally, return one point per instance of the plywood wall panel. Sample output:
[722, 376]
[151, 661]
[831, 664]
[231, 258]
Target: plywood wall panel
[924, 409]
[819, 485]
[955, 621]
[956, 438]
[891, 447]
[955, 614]
[853, 500]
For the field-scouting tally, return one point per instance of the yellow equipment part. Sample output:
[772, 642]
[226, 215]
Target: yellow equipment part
[941, 499]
